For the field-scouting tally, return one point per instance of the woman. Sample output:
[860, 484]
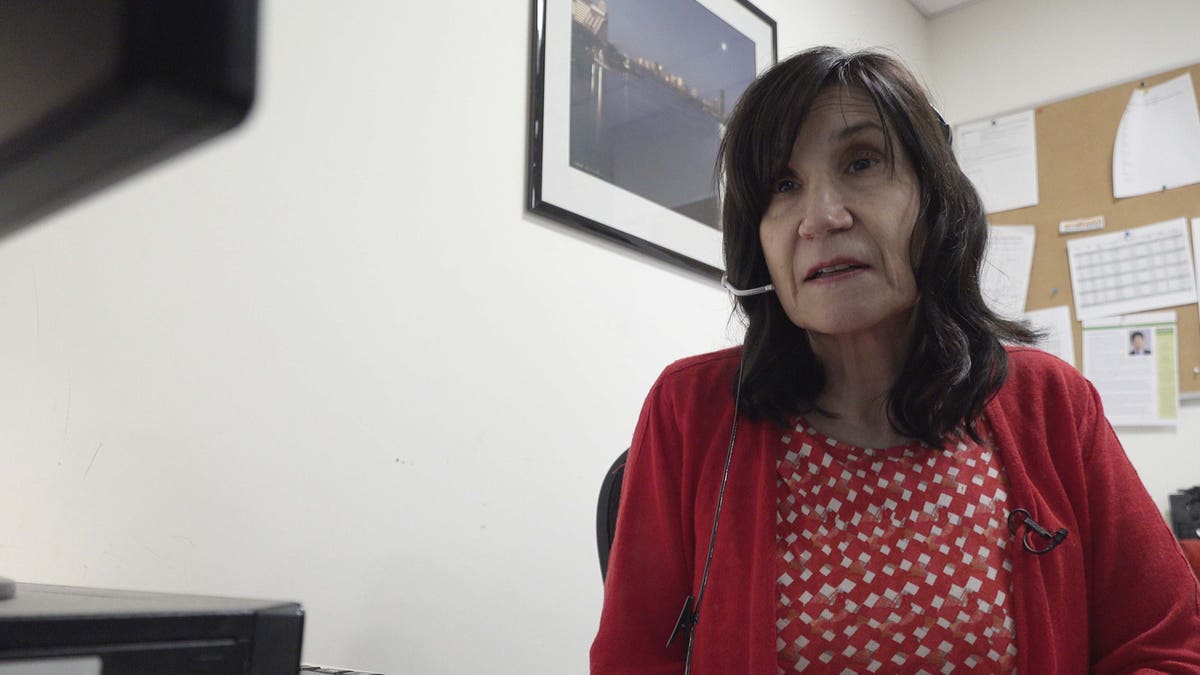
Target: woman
[903, 493]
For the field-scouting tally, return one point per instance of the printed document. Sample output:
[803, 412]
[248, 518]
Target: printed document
[1158, 141]
[1007, 264]
[1000, 157]
[1133, 362]
[1132, 270]
[1196, 248]
[1055, 322]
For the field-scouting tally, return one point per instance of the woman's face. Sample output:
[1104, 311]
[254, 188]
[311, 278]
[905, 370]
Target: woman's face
[836, 232]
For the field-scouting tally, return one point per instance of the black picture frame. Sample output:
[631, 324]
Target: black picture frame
[627, 104]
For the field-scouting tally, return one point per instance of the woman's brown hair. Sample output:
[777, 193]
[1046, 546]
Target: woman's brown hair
[957, 360]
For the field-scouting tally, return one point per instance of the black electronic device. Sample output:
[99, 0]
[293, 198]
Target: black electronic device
[87, 631]
[1185, 513]
[94, 90]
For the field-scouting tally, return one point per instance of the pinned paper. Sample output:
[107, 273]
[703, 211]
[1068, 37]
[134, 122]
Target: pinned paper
[1055, 323]
[1007, 264]
[1132, 270]
[1133, 362]
[1000, 157]
[1158, 142]
[1196, 248]
[1081, 225]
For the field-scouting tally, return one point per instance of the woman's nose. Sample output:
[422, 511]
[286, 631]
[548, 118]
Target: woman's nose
[824, 212]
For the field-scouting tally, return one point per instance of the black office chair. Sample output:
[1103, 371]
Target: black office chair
[606, 510]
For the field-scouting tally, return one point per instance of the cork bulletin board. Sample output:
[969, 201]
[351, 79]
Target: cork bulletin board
[1075, 151]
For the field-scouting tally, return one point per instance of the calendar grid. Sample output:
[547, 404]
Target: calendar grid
[1132, 271]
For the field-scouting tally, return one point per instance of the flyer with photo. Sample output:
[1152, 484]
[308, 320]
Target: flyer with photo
[1133, 362]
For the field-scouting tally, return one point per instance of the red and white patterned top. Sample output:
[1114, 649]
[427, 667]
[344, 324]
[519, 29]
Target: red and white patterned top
[894, 560]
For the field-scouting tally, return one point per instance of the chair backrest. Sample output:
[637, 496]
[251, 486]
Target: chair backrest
[1185, 513]
[606, 510]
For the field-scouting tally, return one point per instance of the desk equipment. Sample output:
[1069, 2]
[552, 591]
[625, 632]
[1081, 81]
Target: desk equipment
[331, 670]
[92, 91]
[63, 629]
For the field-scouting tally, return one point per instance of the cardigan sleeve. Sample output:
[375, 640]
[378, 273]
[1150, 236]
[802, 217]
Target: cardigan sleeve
[1145, 601]
[649, 574]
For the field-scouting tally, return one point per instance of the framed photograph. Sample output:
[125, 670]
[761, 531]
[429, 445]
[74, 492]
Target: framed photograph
[629, 100]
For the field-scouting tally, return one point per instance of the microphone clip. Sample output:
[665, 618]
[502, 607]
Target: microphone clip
[1049, 540]
[683, 625]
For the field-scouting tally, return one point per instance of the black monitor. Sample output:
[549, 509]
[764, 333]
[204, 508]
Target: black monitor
[92, 91]
[84, 631]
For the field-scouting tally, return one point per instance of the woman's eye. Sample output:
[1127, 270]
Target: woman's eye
[785, 185]
[862, 164]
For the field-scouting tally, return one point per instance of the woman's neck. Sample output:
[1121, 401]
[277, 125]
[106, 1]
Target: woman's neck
[860, 371]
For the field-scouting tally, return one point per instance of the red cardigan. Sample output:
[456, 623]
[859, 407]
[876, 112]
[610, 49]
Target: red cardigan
[1116, 596]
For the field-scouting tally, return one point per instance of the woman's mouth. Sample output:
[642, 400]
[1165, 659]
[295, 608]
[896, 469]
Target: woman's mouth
[837, 269]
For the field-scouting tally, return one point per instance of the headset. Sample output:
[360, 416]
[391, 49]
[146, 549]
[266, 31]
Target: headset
[742, 293]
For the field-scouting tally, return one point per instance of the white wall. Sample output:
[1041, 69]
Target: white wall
[995, 56]
[329, 358]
